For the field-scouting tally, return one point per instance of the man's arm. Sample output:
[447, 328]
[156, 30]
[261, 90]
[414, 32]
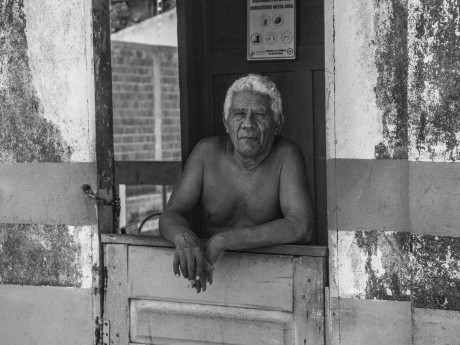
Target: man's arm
[174, 224]
[184, 199]
[296, 207]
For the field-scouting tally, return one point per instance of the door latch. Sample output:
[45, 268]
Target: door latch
[114, 203]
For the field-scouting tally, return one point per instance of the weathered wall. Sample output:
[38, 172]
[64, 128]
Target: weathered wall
[48, 232]
[393, 130]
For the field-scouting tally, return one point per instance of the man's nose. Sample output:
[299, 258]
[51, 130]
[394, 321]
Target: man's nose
[248, 119]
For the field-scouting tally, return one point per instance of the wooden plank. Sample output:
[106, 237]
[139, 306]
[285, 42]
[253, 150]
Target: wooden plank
[249, 280]
[153, 241]
[436, 327]
[309, 300]
[46, 315]
[164, 322]
[147, 173]
[104, 117]
[47, 193]
[116, 307]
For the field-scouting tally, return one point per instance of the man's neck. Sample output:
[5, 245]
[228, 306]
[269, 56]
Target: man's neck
[249, 164]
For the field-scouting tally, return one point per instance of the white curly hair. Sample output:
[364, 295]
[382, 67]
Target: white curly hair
[258, 84]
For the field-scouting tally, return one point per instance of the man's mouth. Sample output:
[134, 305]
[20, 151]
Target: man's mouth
[248, 138]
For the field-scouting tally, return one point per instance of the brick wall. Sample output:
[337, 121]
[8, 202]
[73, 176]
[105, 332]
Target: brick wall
[145, 102]
[146, 115]
[170, 126]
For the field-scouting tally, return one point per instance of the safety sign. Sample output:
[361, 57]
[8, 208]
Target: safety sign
[271, 30]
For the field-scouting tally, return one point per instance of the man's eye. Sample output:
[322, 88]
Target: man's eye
[260, 114]
[239, 114]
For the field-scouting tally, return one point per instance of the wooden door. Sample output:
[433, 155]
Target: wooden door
[212, 54]
[271, 296]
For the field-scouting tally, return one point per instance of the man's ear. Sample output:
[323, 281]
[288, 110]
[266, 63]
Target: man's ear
[279, 124]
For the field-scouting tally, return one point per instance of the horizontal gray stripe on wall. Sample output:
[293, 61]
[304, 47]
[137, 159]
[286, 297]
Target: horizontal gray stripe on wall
[434, 198]
[46, 315]
[394, 195]
[364, 322]
[370, 194]
[47, 193]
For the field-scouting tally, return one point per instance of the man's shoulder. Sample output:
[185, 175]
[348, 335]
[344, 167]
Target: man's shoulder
[286, 148]
[211, 145]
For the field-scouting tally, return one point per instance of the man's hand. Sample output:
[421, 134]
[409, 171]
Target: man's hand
[190, 257]
[214, 249]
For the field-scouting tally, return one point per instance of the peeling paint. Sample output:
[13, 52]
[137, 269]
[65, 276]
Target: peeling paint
[391, 59]
[434, 80]
[25, 136]
[373, 265]
[436, 272]
[45, 255]
[387, 264]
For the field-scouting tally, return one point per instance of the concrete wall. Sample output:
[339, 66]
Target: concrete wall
[48, 227]
[393, 86]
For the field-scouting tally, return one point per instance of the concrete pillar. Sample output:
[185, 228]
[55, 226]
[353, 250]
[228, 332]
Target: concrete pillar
[48, 226]
[392, 125]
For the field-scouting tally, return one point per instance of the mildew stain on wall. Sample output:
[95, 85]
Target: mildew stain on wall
[391, 59]
[25, 136]
[434, 79]
[33, 254]
[436, 272]
[387, 265]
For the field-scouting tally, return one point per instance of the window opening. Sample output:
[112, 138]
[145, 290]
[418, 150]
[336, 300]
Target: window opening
[146, 112]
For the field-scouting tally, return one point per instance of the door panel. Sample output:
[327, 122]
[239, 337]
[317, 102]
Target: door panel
[236, 278]
[159, 322]
[255, 299]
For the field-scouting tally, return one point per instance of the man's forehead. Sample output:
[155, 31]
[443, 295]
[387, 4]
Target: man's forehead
[248, 98]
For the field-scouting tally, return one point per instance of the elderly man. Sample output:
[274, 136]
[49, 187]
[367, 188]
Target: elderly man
[251, 185]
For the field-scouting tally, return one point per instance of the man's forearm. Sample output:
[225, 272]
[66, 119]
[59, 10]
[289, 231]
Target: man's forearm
[173, 224]
[280, 231]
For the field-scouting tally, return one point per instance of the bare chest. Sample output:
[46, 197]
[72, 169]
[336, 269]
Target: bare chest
[230, 199]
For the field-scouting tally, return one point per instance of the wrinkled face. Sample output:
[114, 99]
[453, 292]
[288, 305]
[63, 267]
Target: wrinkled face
[251, 125]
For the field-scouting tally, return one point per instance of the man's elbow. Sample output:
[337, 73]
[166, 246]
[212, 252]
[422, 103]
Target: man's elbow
[304, 231]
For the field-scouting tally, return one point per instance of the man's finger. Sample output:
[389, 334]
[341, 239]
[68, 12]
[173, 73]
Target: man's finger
[176, 265]
[199, 277]
[203, 280]
[183, 264]
[198, 286]
[209, 277]
[190, 264]
[209, 268]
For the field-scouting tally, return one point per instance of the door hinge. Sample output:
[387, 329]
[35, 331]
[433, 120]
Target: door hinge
[103, 336]
[105, 277]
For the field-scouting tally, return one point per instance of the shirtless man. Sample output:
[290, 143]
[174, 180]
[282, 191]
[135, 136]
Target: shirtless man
[251, 185]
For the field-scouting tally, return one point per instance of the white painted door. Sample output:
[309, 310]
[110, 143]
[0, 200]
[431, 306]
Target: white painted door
[255, 299]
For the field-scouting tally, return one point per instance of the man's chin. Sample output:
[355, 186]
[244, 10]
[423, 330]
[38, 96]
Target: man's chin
[248, 151]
